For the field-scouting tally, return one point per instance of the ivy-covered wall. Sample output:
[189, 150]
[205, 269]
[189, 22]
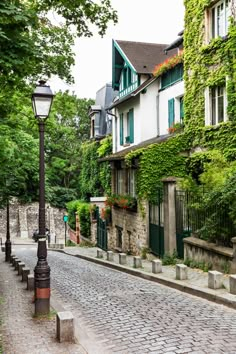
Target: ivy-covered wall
[158, 161]
[95, 177]
[206, 65]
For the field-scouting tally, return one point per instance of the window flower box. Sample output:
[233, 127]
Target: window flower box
[122, 201]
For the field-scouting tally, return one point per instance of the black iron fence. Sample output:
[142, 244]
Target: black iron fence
[205, 216]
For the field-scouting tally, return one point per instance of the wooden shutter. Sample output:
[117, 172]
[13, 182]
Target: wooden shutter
[131, 126]
[121, 129]
[171, 112]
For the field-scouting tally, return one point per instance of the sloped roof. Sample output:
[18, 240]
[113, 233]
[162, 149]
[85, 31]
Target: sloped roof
[144, 85]
[120, 155]
[144, 56]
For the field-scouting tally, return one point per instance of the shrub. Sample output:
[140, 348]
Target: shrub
[83, 210]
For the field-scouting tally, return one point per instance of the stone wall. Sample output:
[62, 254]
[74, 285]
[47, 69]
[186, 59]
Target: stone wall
[24, 221]
[128, 232]
[221, 258]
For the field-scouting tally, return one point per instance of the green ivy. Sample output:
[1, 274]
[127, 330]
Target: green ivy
[158, 161]
[206, 65]
[95, 176]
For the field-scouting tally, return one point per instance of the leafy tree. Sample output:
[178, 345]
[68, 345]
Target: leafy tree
[67, 128]
[33, 46]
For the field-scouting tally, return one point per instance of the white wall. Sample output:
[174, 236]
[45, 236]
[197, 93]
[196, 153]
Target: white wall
[150, 119]
[175, 91]
[148, 112]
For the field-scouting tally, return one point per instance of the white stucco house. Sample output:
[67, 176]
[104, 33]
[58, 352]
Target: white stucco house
[148, 81]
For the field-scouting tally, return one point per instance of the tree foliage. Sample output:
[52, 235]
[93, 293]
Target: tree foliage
[33, 44]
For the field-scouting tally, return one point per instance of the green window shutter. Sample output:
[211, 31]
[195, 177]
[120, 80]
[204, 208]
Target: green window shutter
[121, 129]
[171, 112]
[131, 126]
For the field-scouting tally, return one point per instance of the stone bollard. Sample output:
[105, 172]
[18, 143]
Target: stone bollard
[30, 282]
[122, 258]
[156, 266]
[99, 254]
[137, 262]
[25, 273]
[11, 257]
[232, 284]
[181, 272]
[13, 261]
[110, 256]
[20, 266]
[17, 261]
[215, 279]
[65, 327]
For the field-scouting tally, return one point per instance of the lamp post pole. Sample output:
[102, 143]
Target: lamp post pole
[42, 269]
[8, 241]
[42, 100]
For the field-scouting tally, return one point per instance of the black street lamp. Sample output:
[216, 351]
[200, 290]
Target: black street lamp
[42, 100]
[8, 241]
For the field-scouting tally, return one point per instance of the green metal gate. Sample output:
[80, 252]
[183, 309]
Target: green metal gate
[101, 233]
[156, 226]
[182, 220]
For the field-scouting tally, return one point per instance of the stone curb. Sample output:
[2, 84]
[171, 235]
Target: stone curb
[207, 294]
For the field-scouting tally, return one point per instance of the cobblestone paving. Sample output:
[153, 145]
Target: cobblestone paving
[131, 315]
[196, 277]
[21, 333]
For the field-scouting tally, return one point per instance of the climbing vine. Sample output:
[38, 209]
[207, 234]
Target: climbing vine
[158, 161]
[205, 65]
[95, 176]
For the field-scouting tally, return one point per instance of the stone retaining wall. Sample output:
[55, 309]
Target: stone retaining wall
[133, 229]
[220, 257]
[24, 221]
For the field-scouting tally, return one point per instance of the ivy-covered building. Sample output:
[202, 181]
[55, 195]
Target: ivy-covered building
[194, 135]
[148, 79]
[209, 59]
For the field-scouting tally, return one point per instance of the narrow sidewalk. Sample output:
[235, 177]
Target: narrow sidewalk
[196, 284]
[20, 332]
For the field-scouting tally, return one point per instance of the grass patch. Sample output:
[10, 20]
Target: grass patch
[70, 243]
[48, 316]
[86, 243]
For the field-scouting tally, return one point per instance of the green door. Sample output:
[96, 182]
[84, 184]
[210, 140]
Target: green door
[156, 227]
[101, 233]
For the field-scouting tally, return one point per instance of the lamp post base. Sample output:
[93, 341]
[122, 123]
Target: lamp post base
[42, 281]
[7, 250]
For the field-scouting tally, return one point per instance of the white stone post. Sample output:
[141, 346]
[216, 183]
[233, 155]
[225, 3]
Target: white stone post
[181, 272]
[110, 256]
[232, 284]
[169, 215]
[156, 266]
[215, 279]
[137, 262]
[122, 258]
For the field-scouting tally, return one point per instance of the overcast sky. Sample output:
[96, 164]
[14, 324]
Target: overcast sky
[154, 21]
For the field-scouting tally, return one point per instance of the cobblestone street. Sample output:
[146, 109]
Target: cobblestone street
[126, 314]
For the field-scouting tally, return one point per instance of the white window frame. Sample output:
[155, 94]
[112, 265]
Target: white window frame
[132, 182]
[219, 25]
[210, 109]
[120, 181]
